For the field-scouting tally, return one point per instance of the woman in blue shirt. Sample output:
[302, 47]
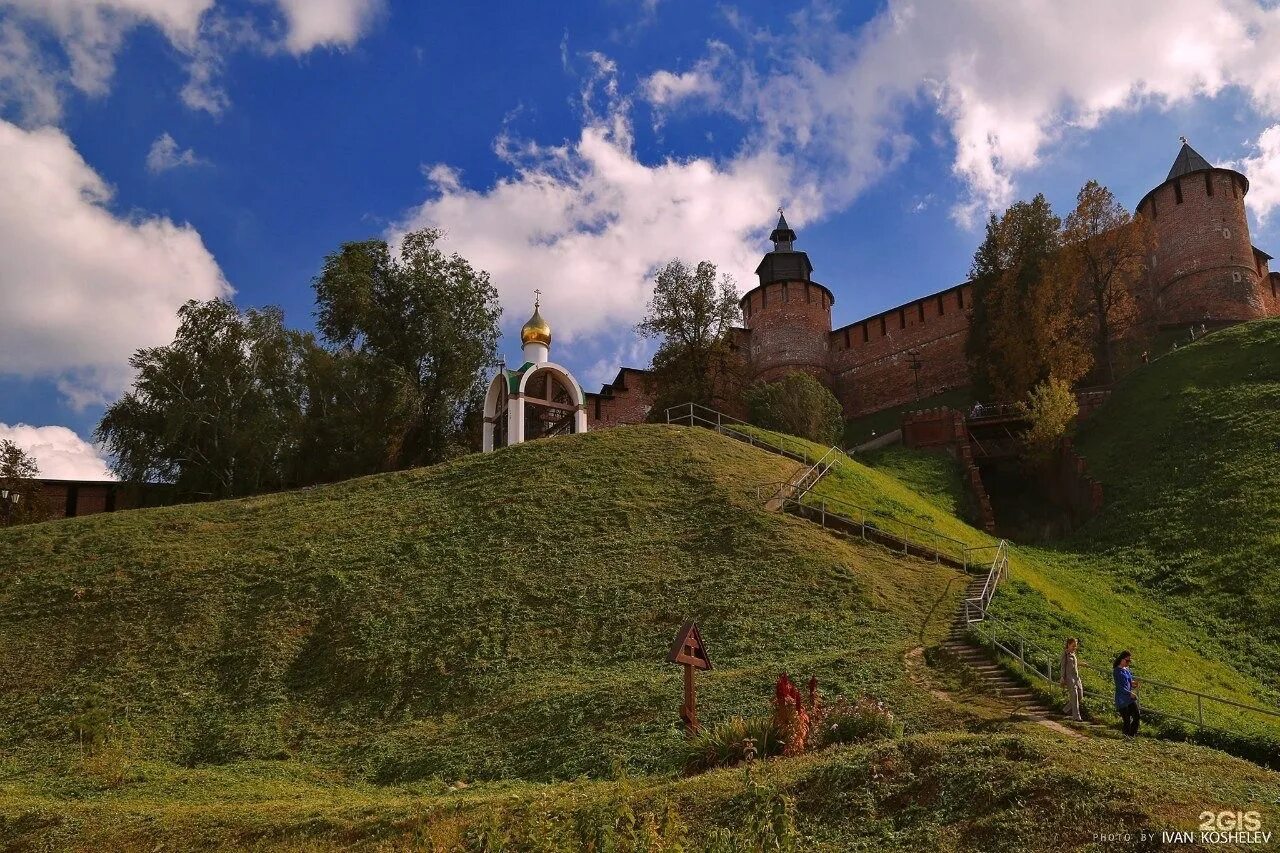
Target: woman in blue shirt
[1126, 692]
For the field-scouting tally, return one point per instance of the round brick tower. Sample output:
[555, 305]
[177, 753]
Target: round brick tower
[1204, 269]
[788, 314]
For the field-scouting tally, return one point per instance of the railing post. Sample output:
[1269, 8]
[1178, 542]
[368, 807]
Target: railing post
[1022, 653]
[823, 505]
[1200, 709]
[863, 524]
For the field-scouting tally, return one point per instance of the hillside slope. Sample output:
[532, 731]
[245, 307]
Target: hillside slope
[1072, 590]
[320, 670]
[1188, 451]
[499, 616]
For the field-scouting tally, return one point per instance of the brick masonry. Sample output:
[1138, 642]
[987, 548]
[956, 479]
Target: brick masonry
[1204, 269]
[625, 400]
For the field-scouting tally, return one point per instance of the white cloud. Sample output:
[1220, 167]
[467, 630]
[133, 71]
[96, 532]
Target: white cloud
[1007, 79]
[90, 34]
[91, 31]
[60, 454]
[82, 288]
[588, 222]
[1263, 170]
[326, 23]
[662, 88]
[27, 83]
[165, 155]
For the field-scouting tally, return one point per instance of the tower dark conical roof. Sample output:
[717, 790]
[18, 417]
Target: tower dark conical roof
[783, 236]
[784, 263]
[1187, 161]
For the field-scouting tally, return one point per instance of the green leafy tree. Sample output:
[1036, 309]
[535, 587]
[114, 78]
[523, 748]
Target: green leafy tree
[1025, 327]
[217, 411]
[799, 405]
[1106, 251]
[1051, 409]
[427, 323]
[19, 488]
[691, 314]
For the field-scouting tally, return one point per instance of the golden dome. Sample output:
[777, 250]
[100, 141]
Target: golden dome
[536, 331]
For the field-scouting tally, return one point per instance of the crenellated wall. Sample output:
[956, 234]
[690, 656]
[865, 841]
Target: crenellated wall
[625, 400]
[871, 359]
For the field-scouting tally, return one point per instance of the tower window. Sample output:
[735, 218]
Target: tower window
[786, 297]
[1235, 276]
[1226, 233]
[846, 337]
[866, 332]
[1155, 214]
[1275, 293]
[1208, 183]
[902, 318]
[941, 307]
[960, 298]
[764, 296]
[884, 327]
[1233, 187]
[1177, 191]
[920, 306]
[808, 294]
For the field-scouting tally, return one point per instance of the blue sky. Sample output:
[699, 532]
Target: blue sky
[157, 150]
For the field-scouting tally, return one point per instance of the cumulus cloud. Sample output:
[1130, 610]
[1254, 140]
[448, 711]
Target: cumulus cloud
[588, 222]
[60, 454]
[90, 34]
[1263, 169]
[165, 155]
[1007, 80]
[326, 23]
[82, 287]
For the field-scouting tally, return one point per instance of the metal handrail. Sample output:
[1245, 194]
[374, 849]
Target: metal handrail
[975, 609]
[1027, 652]
[820, 469]
[693, 418]
[873, 525]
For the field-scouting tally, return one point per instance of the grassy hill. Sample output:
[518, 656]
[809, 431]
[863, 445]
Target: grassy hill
[450, 654]
[1079, 589]
[1188, 450]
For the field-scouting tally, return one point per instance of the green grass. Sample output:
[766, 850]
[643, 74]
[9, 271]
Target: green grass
[498, 617]
[1022, 789]
[1188, 451]
[320, 669]
[1073, 590]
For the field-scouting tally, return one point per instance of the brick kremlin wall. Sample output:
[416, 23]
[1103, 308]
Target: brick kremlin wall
[625, 400]
[869, 360]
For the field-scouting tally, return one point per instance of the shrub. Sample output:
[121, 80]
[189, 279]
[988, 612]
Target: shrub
[798, 405]
[724, 744]
[1052, 410]
[854, 721]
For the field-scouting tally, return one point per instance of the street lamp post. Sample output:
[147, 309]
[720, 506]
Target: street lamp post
[915, 364]
[10, 498]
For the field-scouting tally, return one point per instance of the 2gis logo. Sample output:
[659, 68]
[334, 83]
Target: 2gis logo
[1226, 827]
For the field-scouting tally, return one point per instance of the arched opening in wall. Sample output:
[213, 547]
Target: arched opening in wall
[549, 405]
[497, 402]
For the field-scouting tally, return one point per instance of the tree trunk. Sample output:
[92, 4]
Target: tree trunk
[1104, 340]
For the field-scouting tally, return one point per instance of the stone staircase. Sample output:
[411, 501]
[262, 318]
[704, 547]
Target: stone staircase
[995, 678]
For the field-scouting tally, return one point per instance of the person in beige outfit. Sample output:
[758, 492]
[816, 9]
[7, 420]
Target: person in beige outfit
[1070, 679]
